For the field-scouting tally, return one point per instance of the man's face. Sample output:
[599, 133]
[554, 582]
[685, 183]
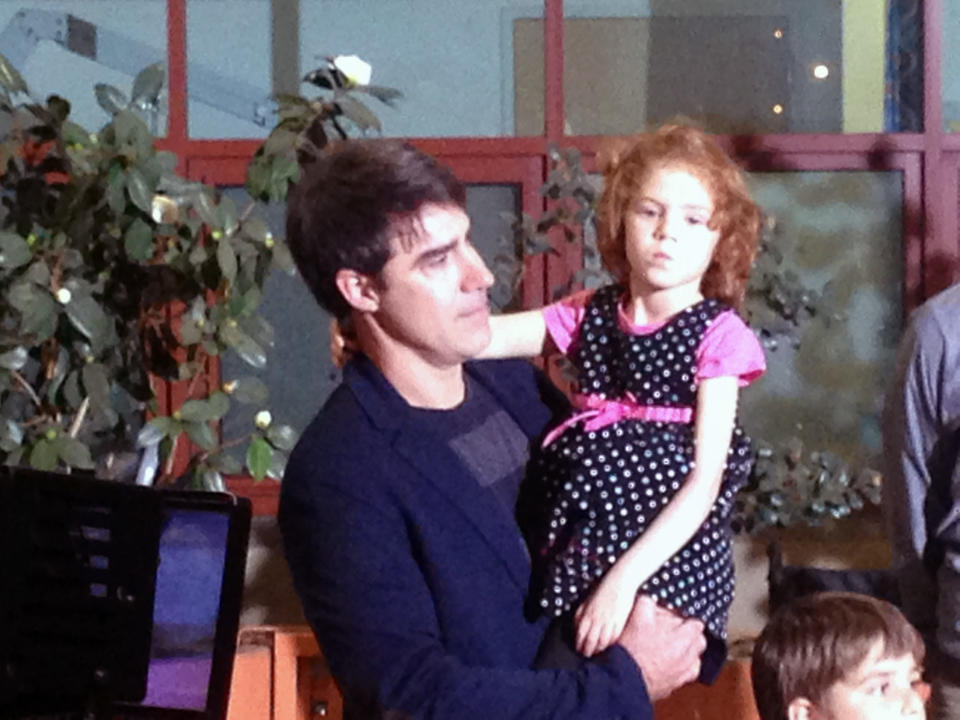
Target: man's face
[881, 688]
[433, 293]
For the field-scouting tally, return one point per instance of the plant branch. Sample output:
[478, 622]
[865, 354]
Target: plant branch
[78, 419]
[26, 386]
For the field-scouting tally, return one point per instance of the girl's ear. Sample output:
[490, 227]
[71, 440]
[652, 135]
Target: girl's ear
[358, 289]
[801, 709]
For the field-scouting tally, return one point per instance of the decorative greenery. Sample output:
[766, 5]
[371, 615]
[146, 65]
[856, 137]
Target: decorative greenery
[788, 485]
[116, 273]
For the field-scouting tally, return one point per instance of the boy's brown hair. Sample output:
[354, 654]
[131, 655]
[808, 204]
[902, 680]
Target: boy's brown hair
[627, 166]
[812, 643]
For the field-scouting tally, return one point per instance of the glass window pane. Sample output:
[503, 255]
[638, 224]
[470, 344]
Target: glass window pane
[734, 66]
[455, 62]
[950, 64]
[841, 234]
[299, 372]
[229, 81]
[66, 47]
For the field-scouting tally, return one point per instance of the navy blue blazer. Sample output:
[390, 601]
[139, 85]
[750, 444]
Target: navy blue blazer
[414, 579]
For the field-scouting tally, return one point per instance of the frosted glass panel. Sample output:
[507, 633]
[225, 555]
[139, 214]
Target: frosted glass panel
[841, 233]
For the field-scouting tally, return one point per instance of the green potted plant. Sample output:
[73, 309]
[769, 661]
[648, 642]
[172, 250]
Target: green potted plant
[118, 276]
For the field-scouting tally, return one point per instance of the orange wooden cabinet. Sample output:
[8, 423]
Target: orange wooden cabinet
[279, 674]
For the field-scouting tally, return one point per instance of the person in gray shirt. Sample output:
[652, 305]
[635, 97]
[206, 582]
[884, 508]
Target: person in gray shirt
[921, 492]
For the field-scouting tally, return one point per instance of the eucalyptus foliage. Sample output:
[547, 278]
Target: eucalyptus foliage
[788, 485]
[115, 272]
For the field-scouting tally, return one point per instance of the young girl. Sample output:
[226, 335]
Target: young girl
[635, 489]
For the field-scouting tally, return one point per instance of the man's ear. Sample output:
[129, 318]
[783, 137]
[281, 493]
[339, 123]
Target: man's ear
[801, 709]
[358, 289]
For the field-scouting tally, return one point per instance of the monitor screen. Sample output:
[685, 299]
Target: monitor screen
[196, 606]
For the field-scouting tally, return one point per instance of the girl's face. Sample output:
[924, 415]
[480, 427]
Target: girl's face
[669, 243]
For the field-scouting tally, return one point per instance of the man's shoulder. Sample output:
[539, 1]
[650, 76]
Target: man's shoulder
[942, 311]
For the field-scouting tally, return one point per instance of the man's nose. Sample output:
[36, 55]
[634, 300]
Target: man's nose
[476, 274]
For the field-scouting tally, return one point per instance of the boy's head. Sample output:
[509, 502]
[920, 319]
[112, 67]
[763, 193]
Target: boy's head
[838, 656]
[627, 167]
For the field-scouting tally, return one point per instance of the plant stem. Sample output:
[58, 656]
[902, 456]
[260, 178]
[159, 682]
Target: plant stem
[26, 386]
[78, 419]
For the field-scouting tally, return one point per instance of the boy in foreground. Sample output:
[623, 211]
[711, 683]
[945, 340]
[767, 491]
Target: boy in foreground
[839, 656]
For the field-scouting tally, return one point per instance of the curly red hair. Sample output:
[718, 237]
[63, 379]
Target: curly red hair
[628, 165]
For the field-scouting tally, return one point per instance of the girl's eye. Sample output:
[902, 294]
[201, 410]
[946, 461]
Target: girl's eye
[647, 211]
[694, 220]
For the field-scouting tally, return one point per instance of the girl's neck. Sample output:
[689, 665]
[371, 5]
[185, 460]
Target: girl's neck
[657, 306]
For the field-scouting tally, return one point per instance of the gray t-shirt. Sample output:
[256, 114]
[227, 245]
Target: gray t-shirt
[921, 489]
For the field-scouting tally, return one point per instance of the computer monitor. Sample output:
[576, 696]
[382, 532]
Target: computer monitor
[120, 599]
[199, 585]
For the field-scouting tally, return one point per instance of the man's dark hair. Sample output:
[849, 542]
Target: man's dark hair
[352, 201]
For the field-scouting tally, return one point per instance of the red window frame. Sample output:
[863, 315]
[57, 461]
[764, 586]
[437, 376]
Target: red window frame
[929, 162]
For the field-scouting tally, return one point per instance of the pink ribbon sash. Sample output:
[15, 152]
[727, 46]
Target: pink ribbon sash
[597, 412]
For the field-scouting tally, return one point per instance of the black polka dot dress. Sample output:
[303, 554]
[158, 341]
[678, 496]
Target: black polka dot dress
[598, 490]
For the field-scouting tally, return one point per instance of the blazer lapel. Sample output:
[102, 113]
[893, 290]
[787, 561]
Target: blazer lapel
[440, 466]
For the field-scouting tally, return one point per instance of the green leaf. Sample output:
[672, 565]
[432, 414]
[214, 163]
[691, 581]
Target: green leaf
[278, 464]
[211, 480]
[11, 434]
[245, 346]
[219, 404]
[138, 241]
[202, 434]
[195, 411]
[38, 310]
[90, 319]
[204, 205]
[116, 184]
[227, 260]
[226, 463]
[386, 95]
[156, 430]
[111, 99]
[59, 374]
[251, 391]
[73, 452]
[44, 455]
[359, 113]
[256, 229]
[14, 359]
[280, 141]
[227, 215]
[97, 384]
[148, 84]
[10, 79]
[282, 437]
[14, 251]
[139, 190]
[132, 131]
[282, 259]
[259, 456]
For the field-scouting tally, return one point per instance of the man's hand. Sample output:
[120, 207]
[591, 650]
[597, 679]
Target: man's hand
[666, 646]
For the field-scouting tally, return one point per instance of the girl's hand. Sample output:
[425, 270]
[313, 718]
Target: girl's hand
[601, 618]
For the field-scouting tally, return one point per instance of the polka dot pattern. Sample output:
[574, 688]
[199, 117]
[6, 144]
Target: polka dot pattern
[602, 488]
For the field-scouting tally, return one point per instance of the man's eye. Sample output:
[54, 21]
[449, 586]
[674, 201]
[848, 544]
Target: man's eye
[438, 260]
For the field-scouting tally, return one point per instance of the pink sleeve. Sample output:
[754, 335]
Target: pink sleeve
[728, 348]
[563, 318]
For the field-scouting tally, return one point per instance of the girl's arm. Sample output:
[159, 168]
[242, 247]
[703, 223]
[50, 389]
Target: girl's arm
[601, 618]
[520, 334]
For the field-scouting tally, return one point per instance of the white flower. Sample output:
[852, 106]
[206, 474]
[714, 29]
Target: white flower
[355, 70]
[63, 296]
[163, 209]
[263, 419]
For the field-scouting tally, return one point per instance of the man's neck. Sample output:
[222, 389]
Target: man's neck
[420, 383]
